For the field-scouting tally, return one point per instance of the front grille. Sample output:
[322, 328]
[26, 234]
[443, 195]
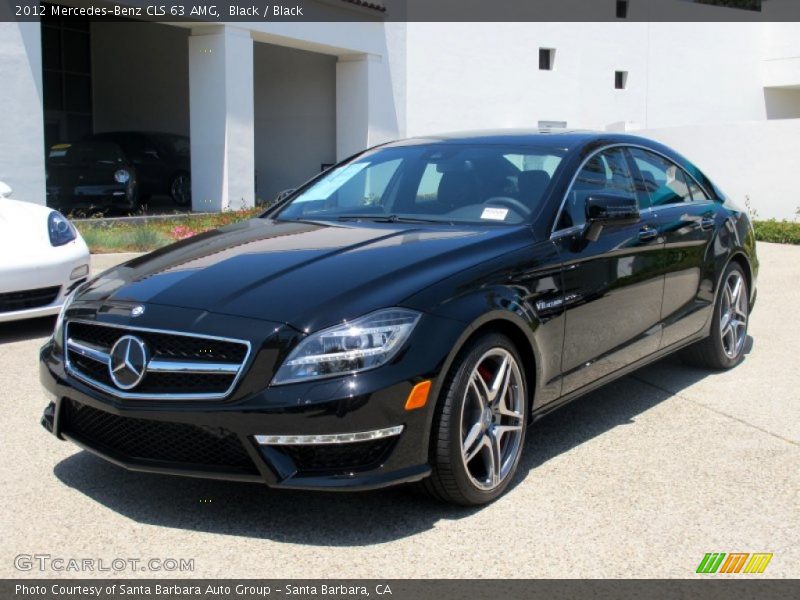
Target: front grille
[12, 301]
[191, 367]
[356, 456]
[139, 440]
[168, 345]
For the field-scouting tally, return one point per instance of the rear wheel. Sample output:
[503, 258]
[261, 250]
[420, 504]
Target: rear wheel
[180, 189]
[724, 348]
[480, 423]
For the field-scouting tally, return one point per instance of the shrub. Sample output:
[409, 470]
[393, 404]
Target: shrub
[779, 232]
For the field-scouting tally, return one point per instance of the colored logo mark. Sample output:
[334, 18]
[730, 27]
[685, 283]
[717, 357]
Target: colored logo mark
[735, 562]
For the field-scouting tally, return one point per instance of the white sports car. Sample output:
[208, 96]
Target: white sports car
[43, 259]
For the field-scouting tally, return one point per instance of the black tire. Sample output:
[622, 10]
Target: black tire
[452, 480]
[180, 189]
[713, 352]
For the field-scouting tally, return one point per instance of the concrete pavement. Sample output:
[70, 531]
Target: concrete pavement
[639, 479]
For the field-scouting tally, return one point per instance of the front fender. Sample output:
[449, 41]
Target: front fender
[510, 310]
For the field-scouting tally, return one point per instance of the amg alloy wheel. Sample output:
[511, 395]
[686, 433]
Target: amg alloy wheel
[733, 317]
[724, 348]
[480, 424]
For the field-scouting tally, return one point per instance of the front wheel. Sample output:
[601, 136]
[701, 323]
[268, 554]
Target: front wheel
[480, 424]
[724, 348]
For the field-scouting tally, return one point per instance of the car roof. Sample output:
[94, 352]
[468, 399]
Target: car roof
[564, 138]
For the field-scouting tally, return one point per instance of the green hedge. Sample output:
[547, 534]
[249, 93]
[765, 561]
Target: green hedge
[780, 232]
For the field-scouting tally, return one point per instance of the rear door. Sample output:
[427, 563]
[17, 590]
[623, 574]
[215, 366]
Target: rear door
[613, 287]
[686, 218]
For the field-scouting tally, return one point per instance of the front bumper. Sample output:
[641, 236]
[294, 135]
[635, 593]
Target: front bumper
[39, 272]
[189, 437]
[88, 197]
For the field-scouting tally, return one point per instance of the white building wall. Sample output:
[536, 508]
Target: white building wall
[486, 75]
[393, 80]
[703, 73]
[21, 122]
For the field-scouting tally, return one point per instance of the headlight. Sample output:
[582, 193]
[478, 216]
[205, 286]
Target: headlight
[122, 176]
[365, 343]
[60, 229]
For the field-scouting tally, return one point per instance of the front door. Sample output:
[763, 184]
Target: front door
[613, 287]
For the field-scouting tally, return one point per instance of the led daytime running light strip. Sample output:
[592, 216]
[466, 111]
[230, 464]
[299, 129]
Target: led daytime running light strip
[333, 438]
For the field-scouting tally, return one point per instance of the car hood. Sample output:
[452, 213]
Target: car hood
[308, 275]
[22, 225]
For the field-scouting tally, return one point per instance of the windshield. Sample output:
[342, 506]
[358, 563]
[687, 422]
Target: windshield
[436, 182]
[85, 154]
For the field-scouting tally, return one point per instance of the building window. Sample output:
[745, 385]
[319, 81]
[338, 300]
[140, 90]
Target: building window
[547, 57]
[620, 80]
[622, 9]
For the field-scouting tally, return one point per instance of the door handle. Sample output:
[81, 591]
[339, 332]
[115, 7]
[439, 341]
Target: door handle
[706, 223]
[647, 234]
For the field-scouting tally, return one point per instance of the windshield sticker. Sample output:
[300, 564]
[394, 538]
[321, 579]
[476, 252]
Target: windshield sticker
[494, 214]
[336, 179]
[55, 153]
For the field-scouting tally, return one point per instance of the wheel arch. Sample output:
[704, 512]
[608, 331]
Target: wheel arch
[516, 329]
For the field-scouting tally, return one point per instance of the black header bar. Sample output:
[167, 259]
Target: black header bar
[214, 11]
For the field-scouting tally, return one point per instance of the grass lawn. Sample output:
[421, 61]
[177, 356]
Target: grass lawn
[124, 236]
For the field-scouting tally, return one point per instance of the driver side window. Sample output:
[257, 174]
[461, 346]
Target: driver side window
[607, 173]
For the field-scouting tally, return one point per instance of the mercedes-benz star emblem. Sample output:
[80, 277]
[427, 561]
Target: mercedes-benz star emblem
[127, 362]
[137, 311]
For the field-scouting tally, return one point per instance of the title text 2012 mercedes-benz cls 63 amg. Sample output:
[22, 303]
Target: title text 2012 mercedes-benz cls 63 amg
[406, 315]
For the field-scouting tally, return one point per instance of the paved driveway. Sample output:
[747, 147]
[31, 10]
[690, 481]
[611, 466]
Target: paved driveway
[639, 479]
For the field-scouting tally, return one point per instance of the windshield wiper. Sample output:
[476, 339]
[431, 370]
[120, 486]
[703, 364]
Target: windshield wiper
[387, 219]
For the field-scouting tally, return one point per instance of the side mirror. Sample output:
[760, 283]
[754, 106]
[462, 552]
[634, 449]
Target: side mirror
[605, 209]
[5, 190]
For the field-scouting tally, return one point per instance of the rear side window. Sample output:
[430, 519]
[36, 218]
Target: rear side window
[606, 173]
[697, 192]
[664, 181]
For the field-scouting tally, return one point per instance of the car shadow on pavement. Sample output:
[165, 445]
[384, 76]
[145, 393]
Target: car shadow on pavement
[27, 329]
[352, 519]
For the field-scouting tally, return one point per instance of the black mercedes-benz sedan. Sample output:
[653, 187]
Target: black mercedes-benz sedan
[406, 315]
